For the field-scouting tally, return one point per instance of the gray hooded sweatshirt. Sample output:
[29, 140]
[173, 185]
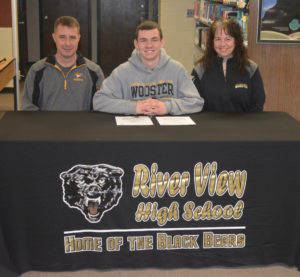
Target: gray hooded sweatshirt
[133, 81]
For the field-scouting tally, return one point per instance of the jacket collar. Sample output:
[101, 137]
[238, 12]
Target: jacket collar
[51, 59]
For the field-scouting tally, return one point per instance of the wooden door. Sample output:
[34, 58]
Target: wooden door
[116, 29]
[52, 9]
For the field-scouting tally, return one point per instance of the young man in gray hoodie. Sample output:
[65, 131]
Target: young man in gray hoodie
[64, 81]
[150, 82]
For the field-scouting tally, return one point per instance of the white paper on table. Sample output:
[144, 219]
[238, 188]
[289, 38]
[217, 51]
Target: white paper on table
[175, 120]
[133, 120]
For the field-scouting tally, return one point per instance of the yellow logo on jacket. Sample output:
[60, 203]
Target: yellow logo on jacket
[78, 77]
[241, 85]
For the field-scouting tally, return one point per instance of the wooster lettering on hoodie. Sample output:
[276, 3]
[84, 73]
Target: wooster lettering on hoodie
[161, 88]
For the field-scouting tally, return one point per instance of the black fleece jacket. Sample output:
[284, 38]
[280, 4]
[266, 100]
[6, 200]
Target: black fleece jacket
[235, 93]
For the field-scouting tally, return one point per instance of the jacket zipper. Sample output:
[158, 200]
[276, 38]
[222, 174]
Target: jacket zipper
[65, 75]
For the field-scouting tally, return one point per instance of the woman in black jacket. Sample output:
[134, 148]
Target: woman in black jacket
[224, 76]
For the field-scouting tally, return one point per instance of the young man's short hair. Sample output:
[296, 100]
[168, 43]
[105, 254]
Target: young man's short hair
[68, 21]
[148, 25]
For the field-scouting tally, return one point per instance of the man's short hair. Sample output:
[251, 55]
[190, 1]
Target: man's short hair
[148, 25]
[68, 21]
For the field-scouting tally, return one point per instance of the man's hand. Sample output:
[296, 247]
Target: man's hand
[144, 107]
[158, 107]
[151, 107]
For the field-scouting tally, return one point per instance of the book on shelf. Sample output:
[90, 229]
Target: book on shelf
[200, 36]
[196, 9]
[229, 2]
[212, 11]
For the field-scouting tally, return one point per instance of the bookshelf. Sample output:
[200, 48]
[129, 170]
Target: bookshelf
[206, 11]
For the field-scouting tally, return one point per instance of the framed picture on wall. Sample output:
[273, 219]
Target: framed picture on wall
[279, 21]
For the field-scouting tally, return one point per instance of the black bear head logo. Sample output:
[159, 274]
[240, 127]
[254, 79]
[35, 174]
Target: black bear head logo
[92, 189]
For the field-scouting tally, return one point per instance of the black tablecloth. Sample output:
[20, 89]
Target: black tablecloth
[77, 191]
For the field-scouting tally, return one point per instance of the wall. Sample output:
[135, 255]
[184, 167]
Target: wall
[279, 66]
[6, 31]
[178, 30]
[5, 14]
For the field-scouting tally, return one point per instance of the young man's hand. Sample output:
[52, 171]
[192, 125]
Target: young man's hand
[151, 107]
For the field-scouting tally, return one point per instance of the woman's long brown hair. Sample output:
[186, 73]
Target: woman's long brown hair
[233, 29]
